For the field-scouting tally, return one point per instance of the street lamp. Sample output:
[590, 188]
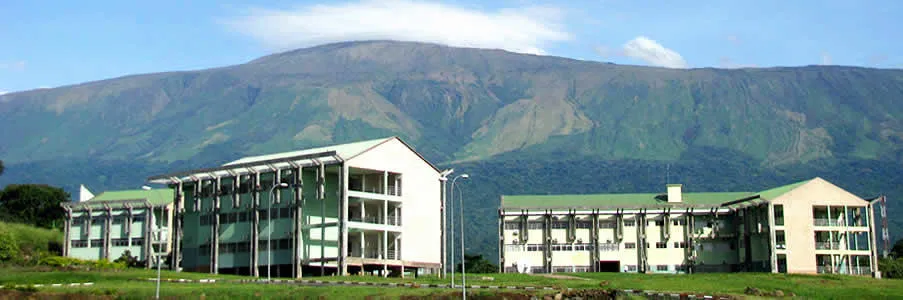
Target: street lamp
[270, 227]
[452, 222]
[463, 262]
[160, 231]
[444, 221]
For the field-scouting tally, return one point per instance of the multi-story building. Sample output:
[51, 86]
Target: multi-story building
[371, 206]
[806, 227]
[109, 224]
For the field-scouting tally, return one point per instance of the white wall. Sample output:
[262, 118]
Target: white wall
[420, 218]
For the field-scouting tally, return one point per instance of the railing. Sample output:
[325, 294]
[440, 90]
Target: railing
[827, 222]
[391, 254]
[861, 271]
[827, 245]
[607, 247]
[366, 219]
[825, 270]
[395, 220]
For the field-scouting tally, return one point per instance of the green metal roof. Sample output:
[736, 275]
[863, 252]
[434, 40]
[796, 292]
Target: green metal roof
[647, 200]
[343, 150]
[778, 191]
[155, 197]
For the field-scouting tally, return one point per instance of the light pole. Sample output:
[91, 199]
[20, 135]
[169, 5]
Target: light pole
[452, 222]
[443, 177]
[270, 226]
[463, 261]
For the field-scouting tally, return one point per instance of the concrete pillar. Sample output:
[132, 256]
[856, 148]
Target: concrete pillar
[873, 253]
[321, 194]
[772, 239]
[148, 234]
[343, 219]
[128, 224]
[594, 237]
[547, 241]
[67, 229]
[297, 221]
[442, 229]
[176, 234]
[501, 228]
[255, 225]
[108, 224]
[214, 228]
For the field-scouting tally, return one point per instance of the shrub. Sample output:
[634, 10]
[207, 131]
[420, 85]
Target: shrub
[891, 268]
[9, 246]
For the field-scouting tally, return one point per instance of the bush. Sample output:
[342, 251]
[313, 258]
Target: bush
[128, 260]
[9, 246]
[891, 268]
[69, 262]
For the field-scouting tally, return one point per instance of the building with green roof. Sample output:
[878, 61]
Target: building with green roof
[112, 223]
[363, 207]
[811, 226]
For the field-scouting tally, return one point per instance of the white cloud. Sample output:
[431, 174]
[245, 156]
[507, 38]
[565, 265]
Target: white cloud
[524, 29]
[653, 53]
[825, 58]
[3, 92]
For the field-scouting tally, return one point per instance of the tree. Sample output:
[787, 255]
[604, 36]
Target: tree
[897, 250]
[477, 264]
[33, 204]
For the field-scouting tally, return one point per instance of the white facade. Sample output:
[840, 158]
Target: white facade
[371, 206]
[828, 230]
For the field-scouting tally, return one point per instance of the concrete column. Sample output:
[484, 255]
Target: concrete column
[772, 239]
[547, 241]
[343, 219]
[128, 224]
[67, 229]
[255, 225]
[148, 235]
[176, 233]
[321, 194]
[872, 244]
[385, 248]
[214, 228]
[501, 229]
[594, 237]
[297, 220]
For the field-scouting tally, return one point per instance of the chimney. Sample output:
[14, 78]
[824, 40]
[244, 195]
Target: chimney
[674, 193]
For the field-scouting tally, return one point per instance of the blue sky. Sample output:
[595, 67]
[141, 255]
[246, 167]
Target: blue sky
[56, 43]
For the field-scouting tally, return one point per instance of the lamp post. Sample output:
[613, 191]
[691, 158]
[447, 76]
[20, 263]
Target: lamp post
[270, 226]
[161, 232]
[452, 222]
[443, 177]
[463, 261]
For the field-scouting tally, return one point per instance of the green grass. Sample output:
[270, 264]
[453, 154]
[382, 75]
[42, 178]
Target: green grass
[129, 284]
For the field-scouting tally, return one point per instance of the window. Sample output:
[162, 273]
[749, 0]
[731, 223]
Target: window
[120, 242]
[118, 220]
[204, 250]
[79, 244]
[778, 215]
[534, 225]
[559, 224]
[607, 224]
[631, 268]
[661, 245]
[285, 212]
[584, 224]
[137, 241]
[629, 245]
[96, 243]
[682, 222]
[680, 245]
[139, 218]
[630, 223]
[660, 223]
[512, 225]
[536, 247]
[674, 222]
[661, 268]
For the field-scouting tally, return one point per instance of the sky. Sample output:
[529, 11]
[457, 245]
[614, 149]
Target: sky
[55, 43]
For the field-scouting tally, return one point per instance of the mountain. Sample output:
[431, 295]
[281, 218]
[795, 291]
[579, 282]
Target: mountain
[519, 123]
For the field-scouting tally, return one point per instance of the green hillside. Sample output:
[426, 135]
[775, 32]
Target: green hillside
[518, 123]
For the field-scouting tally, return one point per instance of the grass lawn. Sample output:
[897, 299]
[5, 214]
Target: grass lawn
[124, 284]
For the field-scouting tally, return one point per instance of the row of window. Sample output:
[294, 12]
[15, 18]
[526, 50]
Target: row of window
[245, 216]
[244, 247]
[98, 243]
[658, 268]
[102, 219]
[536, 225]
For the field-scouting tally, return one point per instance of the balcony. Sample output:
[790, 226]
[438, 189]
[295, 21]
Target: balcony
[827, 245]
[827, 222]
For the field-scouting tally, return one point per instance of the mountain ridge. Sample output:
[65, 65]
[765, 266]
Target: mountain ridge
[487, 111]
